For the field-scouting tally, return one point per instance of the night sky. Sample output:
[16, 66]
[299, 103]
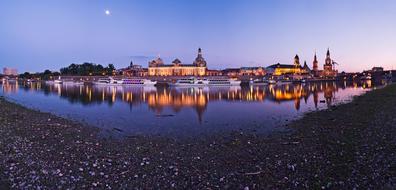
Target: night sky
[47, 34]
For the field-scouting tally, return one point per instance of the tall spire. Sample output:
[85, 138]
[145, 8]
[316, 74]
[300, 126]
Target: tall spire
[296, 61]
[328, 52]
[315, 63]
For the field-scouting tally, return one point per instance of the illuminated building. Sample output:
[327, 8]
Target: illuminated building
[285, 69]
[214, 72]
[134, 70]
[329, 70]
[177, 68]
[10, 71]
[252, 71]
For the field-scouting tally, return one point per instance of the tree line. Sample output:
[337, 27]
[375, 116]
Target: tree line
[85, 69]
[47, 74]
[88, 69]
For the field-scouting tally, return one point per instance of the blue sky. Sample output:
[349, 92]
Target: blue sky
[47, 34]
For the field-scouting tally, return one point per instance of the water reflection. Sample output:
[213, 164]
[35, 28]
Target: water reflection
[195, 97]
[163, 110]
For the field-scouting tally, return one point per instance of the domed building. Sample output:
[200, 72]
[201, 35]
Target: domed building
[177, 68]
[328, 68]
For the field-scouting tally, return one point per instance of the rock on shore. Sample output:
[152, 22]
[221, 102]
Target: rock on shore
[347, 146]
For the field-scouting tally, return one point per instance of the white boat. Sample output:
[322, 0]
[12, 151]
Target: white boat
[58, 81]
[138, 82]
[221, 82]
[284, 82]
[258, 82]
[125, 82]
[192, 81]
[106, 81]
[271, 81]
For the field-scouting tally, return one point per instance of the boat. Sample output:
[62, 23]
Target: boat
[58, 81]
[271, 81]
[258, 82]
[138, 82]
[221, 82]
[193, 81]
[106, 81]
[284, 82]
[125, 82]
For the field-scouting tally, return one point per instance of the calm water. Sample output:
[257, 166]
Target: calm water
[182, 111]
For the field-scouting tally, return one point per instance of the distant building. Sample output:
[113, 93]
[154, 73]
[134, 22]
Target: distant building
[177, 68]
[315, 68]
[10, 71]
[393, 74]
[377, 69]
[231, 72]
[134, 71]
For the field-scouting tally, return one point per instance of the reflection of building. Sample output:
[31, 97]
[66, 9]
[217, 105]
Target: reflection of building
[177, 100]
[161, 100]
[177, 68]
[10, 71]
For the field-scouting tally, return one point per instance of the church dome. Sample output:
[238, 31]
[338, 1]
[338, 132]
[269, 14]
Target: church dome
[200, 61]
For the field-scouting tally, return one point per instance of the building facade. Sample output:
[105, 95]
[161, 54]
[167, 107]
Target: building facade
[10, 71]
[329, 70]
[177, 68]
[286, 69]
[252, 71]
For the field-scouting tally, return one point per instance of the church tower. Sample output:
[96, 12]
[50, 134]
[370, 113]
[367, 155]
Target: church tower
[200, 61]
[328, 59]
[328, 66]
[315, 63]
[297, 61]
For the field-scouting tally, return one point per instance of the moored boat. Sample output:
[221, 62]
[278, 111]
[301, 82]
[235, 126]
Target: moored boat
[125, 82]
[222, 82]
[258, 82]
[193, 81]
[138, 82]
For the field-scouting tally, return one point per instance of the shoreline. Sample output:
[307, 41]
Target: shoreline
[331, 148]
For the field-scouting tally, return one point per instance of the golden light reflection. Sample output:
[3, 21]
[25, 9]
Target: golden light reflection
[157, 99]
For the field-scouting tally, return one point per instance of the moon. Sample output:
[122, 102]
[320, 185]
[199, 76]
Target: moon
[107, 12]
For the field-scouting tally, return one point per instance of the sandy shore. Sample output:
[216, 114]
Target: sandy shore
[347, 146]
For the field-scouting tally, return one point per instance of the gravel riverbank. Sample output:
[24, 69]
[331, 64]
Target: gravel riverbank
[347, 146]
